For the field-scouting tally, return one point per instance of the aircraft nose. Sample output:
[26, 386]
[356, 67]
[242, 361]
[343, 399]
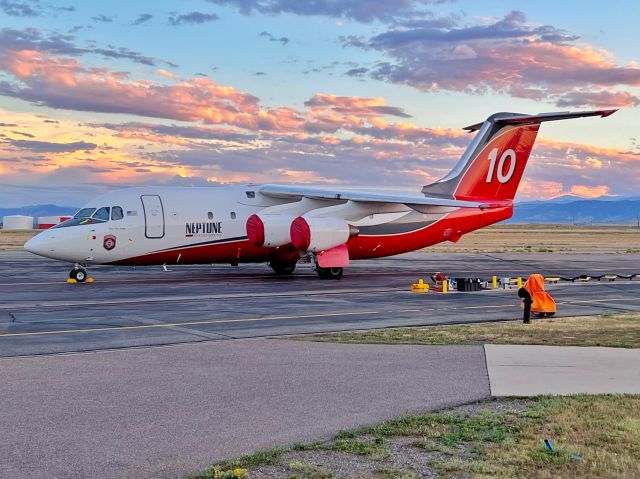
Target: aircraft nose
[36, 245]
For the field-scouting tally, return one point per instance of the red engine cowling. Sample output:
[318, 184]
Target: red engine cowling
[319, 234]
[269, 230]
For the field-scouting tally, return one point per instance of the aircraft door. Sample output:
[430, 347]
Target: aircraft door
[153, 216]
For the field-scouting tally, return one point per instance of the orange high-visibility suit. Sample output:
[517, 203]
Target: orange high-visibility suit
[542, 301]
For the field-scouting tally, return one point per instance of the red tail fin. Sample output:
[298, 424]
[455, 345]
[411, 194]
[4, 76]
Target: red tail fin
[492, 166]
[496, 170]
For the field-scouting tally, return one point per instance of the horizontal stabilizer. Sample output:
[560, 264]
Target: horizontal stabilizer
[520, 119]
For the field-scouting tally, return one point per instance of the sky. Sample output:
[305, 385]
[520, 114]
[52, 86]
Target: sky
[96, 96]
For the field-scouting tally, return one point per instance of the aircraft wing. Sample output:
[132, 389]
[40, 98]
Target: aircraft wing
[415, 202]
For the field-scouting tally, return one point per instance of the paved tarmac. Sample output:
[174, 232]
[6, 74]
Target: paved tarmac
[165, 411]
[168, 389]
[144, 306]
[532, 370]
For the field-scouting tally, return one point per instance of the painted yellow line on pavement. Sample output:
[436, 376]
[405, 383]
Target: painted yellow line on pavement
[200, 297]
[187, 323]
[489, 306]
[573, 301]
[280, 318]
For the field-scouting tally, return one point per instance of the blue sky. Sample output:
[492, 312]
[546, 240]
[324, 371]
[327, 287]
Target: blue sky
[308, 92]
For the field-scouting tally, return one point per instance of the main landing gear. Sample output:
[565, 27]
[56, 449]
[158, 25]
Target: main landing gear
[78, 273]
[282, 267]
[329, 273]
[325, 273]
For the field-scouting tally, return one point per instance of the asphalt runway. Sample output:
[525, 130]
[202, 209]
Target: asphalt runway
[145, 306]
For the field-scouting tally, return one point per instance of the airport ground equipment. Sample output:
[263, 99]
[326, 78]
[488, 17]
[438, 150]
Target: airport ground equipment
[542, 302]
[420, 287]
[441, 282]
[468, 284]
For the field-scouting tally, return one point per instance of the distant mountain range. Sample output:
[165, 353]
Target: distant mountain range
[566, 209]
[575, 210]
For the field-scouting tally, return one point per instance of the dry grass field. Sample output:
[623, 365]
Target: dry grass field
[13, 240]
[494, 239]
[546, 239]
[611, 330]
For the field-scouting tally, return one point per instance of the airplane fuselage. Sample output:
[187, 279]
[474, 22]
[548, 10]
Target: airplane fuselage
[185, 225]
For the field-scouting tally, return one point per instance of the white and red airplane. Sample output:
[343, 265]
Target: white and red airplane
[282, 224]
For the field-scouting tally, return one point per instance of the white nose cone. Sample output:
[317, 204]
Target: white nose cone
[36, 245]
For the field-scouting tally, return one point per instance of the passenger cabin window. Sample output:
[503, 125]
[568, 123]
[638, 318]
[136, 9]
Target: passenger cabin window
[117, 213]
[233, 215]
[102, 214]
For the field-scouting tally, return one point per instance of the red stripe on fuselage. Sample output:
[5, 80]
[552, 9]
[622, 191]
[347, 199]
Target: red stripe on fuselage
[450, 226]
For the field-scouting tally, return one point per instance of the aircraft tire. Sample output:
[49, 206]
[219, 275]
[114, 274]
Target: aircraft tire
[79, 274]
[330, 273]
[282, 268]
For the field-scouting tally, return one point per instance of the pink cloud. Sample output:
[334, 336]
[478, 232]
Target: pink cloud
[507, 56]
[234, 138]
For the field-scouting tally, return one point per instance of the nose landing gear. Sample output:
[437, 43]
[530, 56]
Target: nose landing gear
[78, 274]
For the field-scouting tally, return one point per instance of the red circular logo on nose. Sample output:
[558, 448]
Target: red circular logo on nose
[109, 242]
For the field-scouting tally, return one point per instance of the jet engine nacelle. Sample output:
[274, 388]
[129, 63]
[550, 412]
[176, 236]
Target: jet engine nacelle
[269, 230]
[320, 234]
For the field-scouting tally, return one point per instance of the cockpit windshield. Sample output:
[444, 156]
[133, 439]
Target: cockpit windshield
[102, 214]
[84, 213]
[88, 216]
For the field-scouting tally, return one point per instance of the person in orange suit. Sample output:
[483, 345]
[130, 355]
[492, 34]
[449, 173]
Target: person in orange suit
[543, 303]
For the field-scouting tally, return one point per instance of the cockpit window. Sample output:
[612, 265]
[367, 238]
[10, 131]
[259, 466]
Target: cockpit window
[82, 217]
[117, 213]
[102, 214]
[84, 213]
[91, 216]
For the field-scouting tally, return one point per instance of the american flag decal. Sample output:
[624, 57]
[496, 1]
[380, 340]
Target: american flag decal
[132, 213]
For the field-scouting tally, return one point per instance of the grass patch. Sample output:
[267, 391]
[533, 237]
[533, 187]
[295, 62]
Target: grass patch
[394, 474]
[602, 430]
[428, 445]
[229, 469]
[362, 447]
[594, 437]
[301, 470]
[448, 430]
[614, 330]
[465, 465]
